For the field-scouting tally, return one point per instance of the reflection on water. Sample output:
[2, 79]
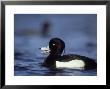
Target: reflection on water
[34, 31]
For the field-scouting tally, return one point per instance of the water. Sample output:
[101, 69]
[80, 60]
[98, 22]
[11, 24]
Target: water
[78, 32]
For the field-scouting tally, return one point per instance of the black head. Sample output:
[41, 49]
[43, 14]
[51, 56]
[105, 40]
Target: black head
[56, 46]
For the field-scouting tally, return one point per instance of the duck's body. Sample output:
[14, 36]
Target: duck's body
[70, 61]
[73, 61]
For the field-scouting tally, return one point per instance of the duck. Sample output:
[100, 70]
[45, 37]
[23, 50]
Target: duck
[55, 59]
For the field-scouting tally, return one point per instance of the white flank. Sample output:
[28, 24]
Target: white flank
[74, 64]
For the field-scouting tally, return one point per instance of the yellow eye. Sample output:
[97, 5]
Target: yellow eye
[53, 44]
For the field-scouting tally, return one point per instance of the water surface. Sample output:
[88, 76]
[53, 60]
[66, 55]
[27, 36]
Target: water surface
[78, 31]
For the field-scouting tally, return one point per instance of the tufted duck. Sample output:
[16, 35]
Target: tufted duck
[73, 61]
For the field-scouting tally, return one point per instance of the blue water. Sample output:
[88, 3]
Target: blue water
[78, 31]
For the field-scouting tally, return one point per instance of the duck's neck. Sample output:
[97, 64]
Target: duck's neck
[51, 60]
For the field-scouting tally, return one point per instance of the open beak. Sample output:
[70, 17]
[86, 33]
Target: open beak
[45, 50]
